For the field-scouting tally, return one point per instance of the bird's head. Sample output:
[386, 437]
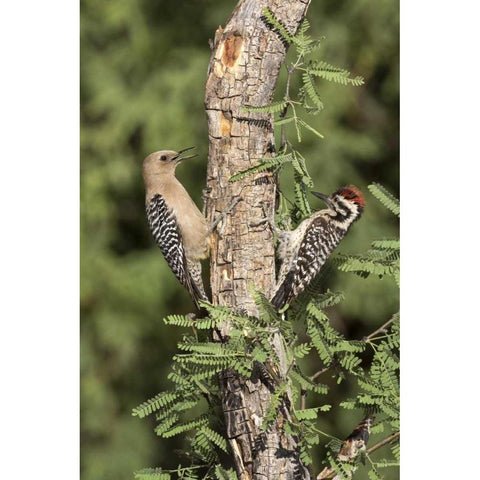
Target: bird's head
[165, 161]
[347, 204]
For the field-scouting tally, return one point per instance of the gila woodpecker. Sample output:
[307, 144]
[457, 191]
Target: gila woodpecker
[304, 250]
[177, 225]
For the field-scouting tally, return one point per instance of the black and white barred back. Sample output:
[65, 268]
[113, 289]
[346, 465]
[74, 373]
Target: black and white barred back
[166, 234]
[305, 250]
[321, 238]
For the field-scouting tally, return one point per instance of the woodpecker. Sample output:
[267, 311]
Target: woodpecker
[177, 225]
[304, 251]
[357, 440]
[351, 447]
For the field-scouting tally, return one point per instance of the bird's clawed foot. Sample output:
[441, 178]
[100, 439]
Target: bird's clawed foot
[205, 196]
[265, 219]
[262, 221]
[277, 231]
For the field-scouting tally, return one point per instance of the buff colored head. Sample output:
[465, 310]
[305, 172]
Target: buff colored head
[164, 162]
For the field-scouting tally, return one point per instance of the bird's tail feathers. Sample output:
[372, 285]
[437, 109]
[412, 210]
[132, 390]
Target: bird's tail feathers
[195, 283]
[283, 294]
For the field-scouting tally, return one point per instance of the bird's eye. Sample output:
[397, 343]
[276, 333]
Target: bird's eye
[163, 157]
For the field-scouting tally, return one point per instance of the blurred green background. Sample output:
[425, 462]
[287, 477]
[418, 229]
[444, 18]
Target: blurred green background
[143, 68]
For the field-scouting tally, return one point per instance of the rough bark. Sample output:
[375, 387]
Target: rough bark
[245, 64]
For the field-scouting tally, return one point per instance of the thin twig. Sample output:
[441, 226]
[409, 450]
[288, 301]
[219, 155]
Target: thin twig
[289, 368]
[379, 330]
[383, 442]
[303, 392]
[283, 113]
[303, 399]
[320, 372]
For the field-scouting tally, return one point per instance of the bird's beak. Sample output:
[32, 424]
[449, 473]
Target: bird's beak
[325, 198]
[179, 157]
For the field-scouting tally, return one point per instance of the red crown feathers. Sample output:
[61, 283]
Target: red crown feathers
[353, 194]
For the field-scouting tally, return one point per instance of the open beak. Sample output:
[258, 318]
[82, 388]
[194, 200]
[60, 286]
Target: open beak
[179, 158]
[324, 197]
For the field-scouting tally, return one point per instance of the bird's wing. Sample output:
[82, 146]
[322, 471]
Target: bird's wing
[166, 234]
[316, 246]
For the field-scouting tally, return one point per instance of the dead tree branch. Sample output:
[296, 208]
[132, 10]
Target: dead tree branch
[246, 59]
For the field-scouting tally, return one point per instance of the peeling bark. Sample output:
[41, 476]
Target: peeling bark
[244, 67]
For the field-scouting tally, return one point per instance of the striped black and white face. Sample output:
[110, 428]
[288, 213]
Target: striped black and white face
[348, 203]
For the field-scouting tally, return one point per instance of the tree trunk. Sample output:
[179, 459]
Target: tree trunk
[245, 64]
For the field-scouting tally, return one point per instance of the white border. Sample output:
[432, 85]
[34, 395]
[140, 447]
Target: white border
[39, 198]
[440, 239]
